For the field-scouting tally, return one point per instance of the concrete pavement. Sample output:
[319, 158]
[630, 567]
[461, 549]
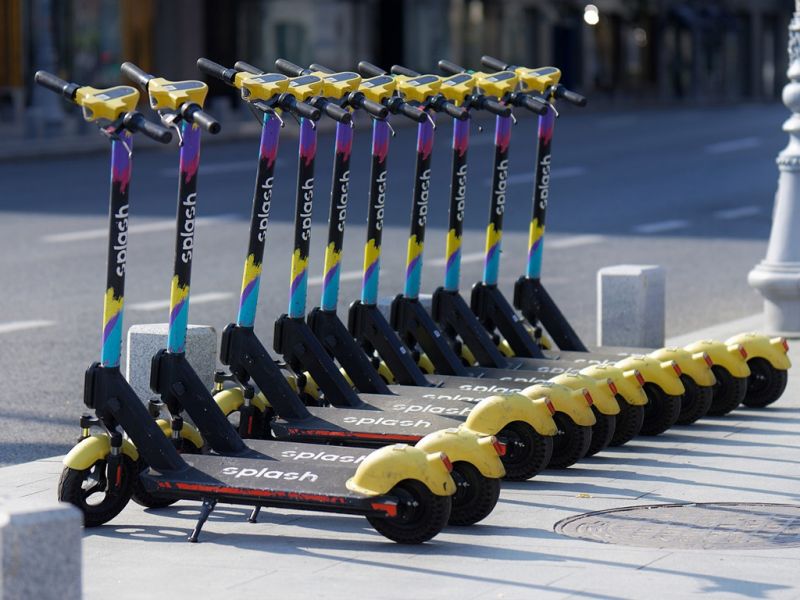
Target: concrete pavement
[748, 456]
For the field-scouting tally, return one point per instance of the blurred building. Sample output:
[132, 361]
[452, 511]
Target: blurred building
[621, 50]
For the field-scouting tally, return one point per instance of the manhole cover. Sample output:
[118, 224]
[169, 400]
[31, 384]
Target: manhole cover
[702, 526]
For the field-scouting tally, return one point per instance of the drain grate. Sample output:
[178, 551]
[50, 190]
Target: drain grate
[690, 526]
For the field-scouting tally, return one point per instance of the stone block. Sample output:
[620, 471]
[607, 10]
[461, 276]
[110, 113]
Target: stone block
[631, 306]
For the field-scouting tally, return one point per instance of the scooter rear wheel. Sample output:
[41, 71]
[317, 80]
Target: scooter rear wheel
[527, 452]
[570, 444]
[475, 497]
[87, 490]
[765, 384]
[602, 431]
[729, 391]
[420, 514]
[696, 402]
[629, 422]
[661, 411]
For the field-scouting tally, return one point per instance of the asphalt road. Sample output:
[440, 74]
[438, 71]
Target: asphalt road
[689, 189]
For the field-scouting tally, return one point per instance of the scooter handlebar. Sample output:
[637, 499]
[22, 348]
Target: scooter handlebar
[337, 113]
[450, 68]
[535, 105]
[300, 109]
[289, 68]
[570, 96]
[56, 84]
[320, 68]
[359, 100]
[370, 70]
[134, 121]
[494, 63]
[497, 108]
[240, 65]
[135, 74]
[405, 109]
[212, 69]
[401, 70]
[195, 114]
[457, 112]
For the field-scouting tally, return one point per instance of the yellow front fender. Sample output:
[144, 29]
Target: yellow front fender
[188, 432]
[599, 389]
[231, 399]
[383, 371]
[94, 448]
[626, 382]
[573, 403]
[773, 350]
[662, 374]
[463, 444]
[692, 364]
[386, 467]
[467, 356]
[729, 356]
[493, 413]
[426, 364]
[505, 348]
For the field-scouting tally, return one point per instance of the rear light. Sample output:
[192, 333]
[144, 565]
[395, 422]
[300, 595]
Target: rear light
[390, 508]
[676, 368]
[588, 397]
[708, 360]
[785, 344]
[499, 447]
[550, 406]
[446, 460]
[743, 352]
[612, 386]
[639, 377]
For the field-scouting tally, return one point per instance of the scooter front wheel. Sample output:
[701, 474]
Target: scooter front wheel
[661, 411]
[629, 422]
[527, 452]
[99, 495]
[696, 401]
[421, 514]
[729, 391]
[765, 384]
[571, 443]
[602, 432]
[475, 497]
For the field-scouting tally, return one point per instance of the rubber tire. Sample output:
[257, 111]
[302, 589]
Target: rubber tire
[475, 502]
[144, 498]
[696, 402]
[527, 452]
[571, 443]
[661, 411]
[629, 422]
[602, 432]
[729, 392]
[765, 384]
[428, 518]
[70, 489]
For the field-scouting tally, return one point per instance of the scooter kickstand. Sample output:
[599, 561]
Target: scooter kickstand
[205, 512]
[253, 518]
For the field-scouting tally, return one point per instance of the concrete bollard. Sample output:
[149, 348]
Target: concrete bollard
[145, 340]
[777, 277]
[40, 550]
[630, 306]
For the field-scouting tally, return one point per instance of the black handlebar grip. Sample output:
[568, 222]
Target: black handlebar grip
[337, 113]
[494, 63]
[195, 114]
[457, 112]
[135, 74]
[320, 68]
[240, 65]
[497, 108]
[570, 96]
[450, 68]
[134, 121]
[374, 108]
[289, 68]
[535, 105]
[299, 109]
[56, 84]
[370, 70]
[412, 112]
[212, 69]
[401, 70]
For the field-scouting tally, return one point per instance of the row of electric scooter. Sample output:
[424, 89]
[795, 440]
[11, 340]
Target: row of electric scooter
[480, 389]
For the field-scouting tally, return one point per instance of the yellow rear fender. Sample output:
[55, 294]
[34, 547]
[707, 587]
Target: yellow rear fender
[623, 383]
[386, 373]
[94, 448]
[386, 467]
[505, 349]
[188, 432]
[599, 389]
[696, 365]
[573, 403]
[310, 387]
[728, 356]
[773, 350]
[425, 364]
[347, 377]
[664, 374]
[493, 413]
[467, 356]
[464, 445]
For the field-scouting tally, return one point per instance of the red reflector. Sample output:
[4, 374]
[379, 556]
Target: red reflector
[708, 360]
[639, 377]
[785, 344]
[389, 508]
[612, 386]
[743, 352]
[676, 368]
[119, 475]
[446, 460]
[588, 397]
[499, 446]
[550, 406]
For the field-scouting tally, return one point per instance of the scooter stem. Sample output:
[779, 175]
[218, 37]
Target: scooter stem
[302, 219]
[494, 231]
[377, 201]
[458, 191]
[541, 191]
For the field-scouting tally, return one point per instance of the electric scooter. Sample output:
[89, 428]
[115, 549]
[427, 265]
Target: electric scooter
[101, 469]
[768, 356]
[282, 414]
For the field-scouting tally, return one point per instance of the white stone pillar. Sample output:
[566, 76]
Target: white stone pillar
[631, 306]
